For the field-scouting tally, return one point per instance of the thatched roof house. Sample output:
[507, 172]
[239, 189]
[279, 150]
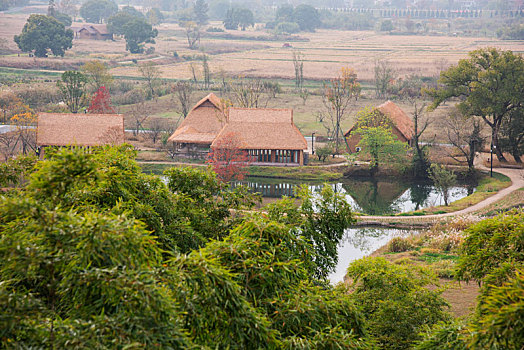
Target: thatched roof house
[269, 135]
[65, 129]
[202, 124]
[263, 128]
[402, 125]
[92, 31]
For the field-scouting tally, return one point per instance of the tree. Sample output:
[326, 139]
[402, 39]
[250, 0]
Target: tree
[133, 12]
[140, 112]
[183, 91]
[41, 33]
[72, 90]
[489, 84]
[465, 134]
[117, 22]
[442, 179]
[298, 63]
[249, 93]
[307, 17]
[154, 16]
[338, 95]
[206, 71]
[101, 102]
[151, 74]
[192, 34]
[396, 301]
[384, 77]
[512, 134]
[228, 159]
[236, 17]
[137, 32]
[200, 10]
[377, 139]
[97, 74]
[68, 7]
[96, 11]
[420, 160]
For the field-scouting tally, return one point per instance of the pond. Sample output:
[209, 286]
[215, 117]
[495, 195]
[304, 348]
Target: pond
[360, 242]
[370, 196]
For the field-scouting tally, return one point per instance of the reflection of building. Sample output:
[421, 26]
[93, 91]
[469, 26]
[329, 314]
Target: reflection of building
[68, 129]
[375, 197]
[402, 126]
[92, 31]
[268, 135]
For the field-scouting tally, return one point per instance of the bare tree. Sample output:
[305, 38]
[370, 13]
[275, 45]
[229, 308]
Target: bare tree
[421, 122]
[193, 35]
[206, 71]
[253, 93]
[156, 128]
[339, 93]
[151, 74]
[441, 64]
[384, 76]
[7, 145]
[183, 90]
[193, 70]
[139, 114]
[298, 63]
[465, 134]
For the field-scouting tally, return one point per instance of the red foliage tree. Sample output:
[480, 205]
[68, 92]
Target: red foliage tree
[101, 102]
[228, 159]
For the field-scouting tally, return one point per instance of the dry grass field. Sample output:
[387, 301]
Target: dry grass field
[248, 54]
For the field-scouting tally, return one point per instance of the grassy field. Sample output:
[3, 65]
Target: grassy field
[256, 53]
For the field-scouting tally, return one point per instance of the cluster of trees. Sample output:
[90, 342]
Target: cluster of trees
[98, 11]
[289, 19]
[93, 252]
[239, 17]
[489, 85]
[42, 33]
[7, 4]
[135, 28]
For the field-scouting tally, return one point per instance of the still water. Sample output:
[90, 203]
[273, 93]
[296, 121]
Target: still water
[360, 242]
[370, 196]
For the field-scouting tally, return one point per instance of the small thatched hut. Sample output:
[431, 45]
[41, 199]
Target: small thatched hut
[86, 130]
[402, 126]
[201, 126]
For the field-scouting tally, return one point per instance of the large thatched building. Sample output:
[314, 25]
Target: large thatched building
[402, 126]
[86, 130]
[268, 135]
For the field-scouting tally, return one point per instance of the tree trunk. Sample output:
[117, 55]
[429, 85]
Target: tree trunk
[495, 142]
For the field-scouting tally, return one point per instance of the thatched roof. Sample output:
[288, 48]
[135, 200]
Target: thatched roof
[91, 28]
[263, 128]
[203, 122]
[64, 129]
[400, 119]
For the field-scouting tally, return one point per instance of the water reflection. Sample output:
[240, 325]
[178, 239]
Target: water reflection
[367, 195]
[360, 242]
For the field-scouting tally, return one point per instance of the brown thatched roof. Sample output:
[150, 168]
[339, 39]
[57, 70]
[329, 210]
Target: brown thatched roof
[263, 128]
[63, 129]
[400, 119]
[203, 123]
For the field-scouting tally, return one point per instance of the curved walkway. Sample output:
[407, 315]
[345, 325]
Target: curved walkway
[517, 182]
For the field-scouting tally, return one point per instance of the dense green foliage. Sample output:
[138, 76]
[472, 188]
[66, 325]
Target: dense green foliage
[90, 257]
[443, 180]
[489, 84]
[137, 32]
[41, 33]
[395, 300]
[239, 17]
[304, 17]
[96, 11]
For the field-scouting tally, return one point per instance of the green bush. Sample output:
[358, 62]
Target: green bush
[395, 300]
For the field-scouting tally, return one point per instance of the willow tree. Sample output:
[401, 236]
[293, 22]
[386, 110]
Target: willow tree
[339, 93]
[488, 84]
